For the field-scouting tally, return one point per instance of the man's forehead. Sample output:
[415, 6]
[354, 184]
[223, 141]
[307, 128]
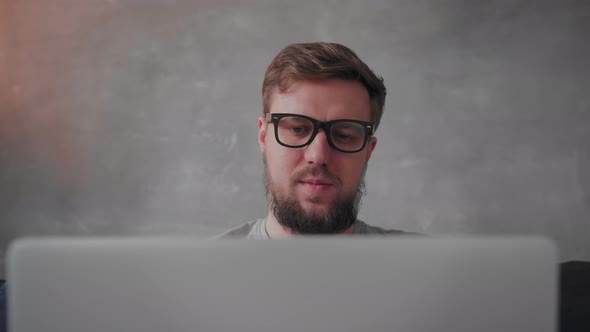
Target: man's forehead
[335, 97]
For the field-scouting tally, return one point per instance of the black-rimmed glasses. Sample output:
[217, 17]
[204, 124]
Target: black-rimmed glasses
[344, 135]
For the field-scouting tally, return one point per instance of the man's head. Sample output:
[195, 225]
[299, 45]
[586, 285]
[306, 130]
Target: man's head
[314, 161]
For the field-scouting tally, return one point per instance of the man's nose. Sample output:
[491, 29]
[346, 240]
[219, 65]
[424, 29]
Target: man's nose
[318, 151]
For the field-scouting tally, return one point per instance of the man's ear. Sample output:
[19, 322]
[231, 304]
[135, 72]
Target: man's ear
[262, 133]
[371, 146]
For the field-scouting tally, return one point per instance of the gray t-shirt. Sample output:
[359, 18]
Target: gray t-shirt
[256, 230]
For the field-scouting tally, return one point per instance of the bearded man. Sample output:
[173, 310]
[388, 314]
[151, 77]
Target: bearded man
[321, 108]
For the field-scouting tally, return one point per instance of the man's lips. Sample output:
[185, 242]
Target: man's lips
[317, 181]
[316, 185]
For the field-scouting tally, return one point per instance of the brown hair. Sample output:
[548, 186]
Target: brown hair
[316, 61]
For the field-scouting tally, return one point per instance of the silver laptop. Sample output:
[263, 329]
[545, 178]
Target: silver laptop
[305, 284]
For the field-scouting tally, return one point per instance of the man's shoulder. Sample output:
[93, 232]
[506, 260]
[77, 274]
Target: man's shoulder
[362, 227]
[255, 230]
[246, 230]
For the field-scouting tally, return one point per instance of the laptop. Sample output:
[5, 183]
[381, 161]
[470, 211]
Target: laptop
[323, 284]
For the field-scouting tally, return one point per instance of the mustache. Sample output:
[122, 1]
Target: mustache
[316, 171]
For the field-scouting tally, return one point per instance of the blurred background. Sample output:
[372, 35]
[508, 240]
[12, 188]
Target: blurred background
[139, 117]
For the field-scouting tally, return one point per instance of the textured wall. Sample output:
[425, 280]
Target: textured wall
[139, 117]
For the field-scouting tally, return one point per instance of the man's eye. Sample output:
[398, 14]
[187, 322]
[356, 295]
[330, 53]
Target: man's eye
[343, 137]
[298, 130]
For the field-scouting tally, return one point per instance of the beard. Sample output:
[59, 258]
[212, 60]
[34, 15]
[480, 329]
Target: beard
[292, 216]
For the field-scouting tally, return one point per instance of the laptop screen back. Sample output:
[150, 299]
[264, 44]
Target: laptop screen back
[305, 284]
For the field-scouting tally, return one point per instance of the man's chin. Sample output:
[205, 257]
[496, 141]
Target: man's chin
[315, 206]
[302, 216]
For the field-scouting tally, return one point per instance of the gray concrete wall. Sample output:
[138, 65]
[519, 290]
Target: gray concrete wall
[139, 117]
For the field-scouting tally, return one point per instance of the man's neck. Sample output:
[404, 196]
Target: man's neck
[274, 230]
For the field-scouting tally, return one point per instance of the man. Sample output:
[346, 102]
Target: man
[321, 107]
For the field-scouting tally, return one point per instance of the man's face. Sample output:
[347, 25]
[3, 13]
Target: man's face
[316, 181]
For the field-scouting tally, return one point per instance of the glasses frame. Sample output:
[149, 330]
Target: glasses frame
[317, 124]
